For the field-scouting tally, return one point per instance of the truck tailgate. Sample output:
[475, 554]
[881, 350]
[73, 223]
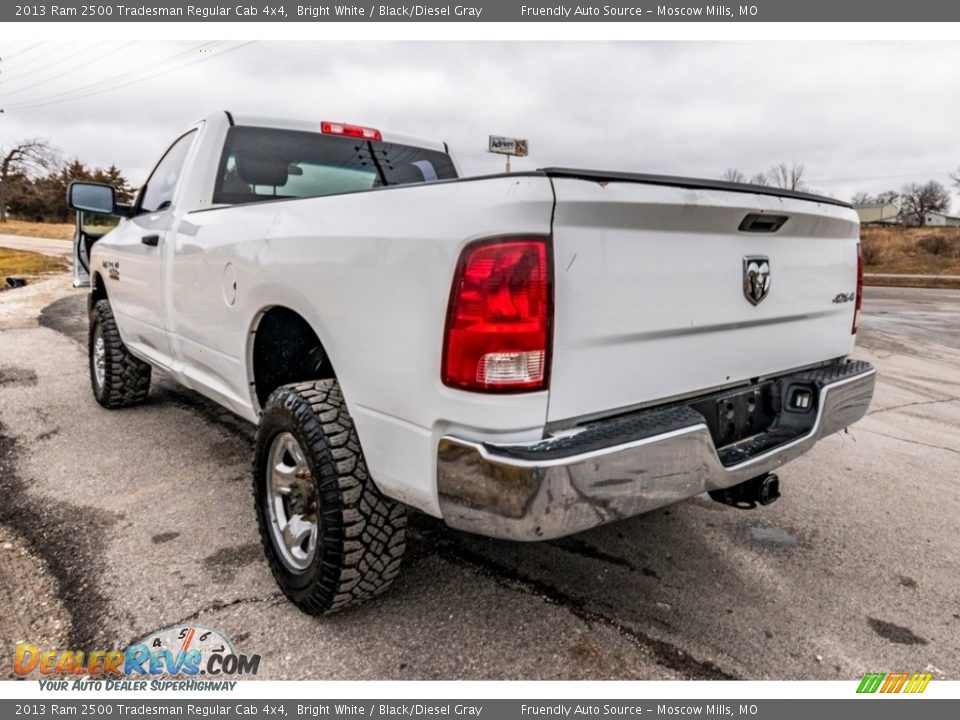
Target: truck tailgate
[649, 290]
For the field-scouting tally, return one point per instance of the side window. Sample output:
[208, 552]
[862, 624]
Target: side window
[97, 226]
[158, 193]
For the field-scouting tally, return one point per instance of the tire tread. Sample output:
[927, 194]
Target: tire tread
[126, 378]
[363, 533]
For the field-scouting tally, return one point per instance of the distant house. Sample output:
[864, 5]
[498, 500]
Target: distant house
[878, 213]
[939, 219]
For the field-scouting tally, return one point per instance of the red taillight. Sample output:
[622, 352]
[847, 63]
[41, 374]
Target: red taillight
[497, 337]
[859, 300]
[356, 131]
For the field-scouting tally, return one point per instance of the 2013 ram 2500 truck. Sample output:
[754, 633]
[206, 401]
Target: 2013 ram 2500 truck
[525, 355]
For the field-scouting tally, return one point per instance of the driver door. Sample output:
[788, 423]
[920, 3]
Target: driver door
[90, 227]
[137, 250]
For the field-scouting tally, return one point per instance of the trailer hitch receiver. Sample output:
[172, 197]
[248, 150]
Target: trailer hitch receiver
[761, 490]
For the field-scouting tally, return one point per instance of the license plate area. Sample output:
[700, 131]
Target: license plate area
[739, 414]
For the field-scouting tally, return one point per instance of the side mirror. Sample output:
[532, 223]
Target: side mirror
[92, 198]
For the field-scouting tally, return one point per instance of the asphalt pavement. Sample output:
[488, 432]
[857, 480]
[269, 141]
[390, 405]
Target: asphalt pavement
[116, 524]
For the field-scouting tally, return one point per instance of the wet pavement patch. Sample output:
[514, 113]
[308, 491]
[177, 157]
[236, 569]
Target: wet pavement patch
[164, 537]
[895, 633]
[17, 376]
[68, 316]
[428, 537]
[71, 541]
[225, 561]
[775, 535]
[576, 546]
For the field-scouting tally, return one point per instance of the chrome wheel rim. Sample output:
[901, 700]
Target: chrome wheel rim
[291, 503]
[99, 358]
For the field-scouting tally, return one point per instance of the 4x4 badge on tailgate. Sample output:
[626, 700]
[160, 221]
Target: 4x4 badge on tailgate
[756, 278]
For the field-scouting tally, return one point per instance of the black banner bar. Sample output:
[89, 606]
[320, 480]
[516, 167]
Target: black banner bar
[856, 11]
[228, 708]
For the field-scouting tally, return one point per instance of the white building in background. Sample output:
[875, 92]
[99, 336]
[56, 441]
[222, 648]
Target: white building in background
[878, 213]
[939, 219]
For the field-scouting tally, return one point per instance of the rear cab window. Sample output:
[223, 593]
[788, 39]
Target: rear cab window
[268, 163]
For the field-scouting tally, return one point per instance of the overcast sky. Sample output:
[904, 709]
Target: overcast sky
[859, 116]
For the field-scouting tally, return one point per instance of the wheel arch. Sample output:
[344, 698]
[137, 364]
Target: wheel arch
[98, 291]
[283, 347]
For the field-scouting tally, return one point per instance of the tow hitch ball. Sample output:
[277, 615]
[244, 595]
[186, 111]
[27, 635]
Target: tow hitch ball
[761, 490]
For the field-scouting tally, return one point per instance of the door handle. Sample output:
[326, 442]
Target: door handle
[151, 240]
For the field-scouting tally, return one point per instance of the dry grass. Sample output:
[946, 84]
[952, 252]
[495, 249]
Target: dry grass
[913, 251]
[53, 231]
[17, 263]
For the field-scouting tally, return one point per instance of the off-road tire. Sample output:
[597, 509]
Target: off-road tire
[126, 379]
[361, 536]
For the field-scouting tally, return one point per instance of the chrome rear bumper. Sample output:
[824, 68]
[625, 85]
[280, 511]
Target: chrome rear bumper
[621, 468]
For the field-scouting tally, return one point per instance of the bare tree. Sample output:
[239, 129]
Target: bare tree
[918, 200]
[956, 178]
[759, 179]
[25, 159]
[733, 175]
[888, 196]
[862, 198]
[786, 177]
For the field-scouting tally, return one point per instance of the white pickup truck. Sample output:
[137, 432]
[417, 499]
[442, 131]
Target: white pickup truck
[524, 356]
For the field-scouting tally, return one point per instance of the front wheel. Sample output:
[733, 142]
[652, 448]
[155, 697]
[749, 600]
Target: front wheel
[331, 538]
[117, 377]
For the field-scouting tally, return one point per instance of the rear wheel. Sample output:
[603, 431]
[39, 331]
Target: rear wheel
[331, 538]
[117, 377]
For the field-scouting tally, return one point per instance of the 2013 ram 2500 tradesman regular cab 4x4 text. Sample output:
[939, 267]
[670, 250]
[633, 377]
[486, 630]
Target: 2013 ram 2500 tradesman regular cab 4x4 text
[525, 356]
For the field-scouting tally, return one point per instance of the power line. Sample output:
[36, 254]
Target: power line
[111, 84]
[29, 105]
[17, 66]
[25, 50]
[108, 80]
[71, 70]
[55, 62]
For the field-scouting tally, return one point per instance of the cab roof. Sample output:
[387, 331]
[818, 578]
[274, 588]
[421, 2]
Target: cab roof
[314, 126]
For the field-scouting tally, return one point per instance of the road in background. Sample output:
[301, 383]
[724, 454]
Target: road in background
[45, 246]
[903, 316]
[125, 522]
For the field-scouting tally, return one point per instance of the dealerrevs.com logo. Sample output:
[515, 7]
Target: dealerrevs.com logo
[184, 652]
